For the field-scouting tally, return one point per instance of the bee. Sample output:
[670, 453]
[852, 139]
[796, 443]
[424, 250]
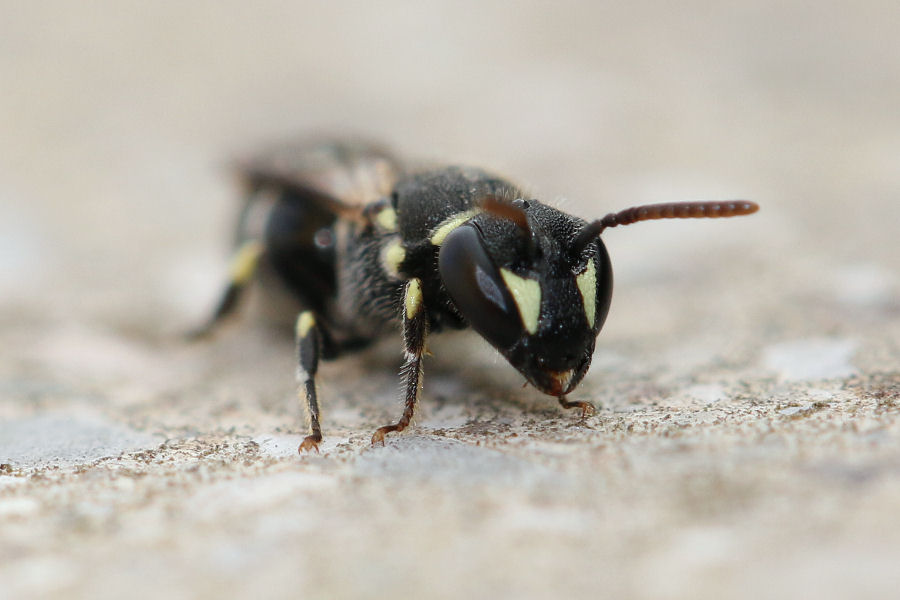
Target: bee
[369, 244]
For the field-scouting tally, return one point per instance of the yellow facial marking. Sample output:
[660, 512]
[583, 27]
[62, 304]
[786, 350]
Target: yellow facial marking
[444, 229]
[387, 219]
[305, 322]
[413, 298]
[587, 285]
[392, 257]
[244, 262]
[527, 295]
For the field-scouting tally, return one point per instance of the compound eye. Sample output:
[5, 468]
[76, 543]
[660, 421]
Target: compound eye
[477, 288]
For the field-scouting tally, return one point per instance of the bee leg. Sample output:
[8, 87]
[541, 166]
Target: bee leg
[309, 345]
[587, 409]
[243, 267]
[415, 328]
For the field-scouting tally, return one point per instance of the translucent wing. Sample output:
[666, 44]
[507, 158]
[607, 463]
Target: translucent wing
[342, 176]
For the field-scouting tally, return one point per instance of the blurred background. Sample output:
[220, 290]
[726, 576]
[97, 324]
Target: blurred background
[117, 124]
[118, 119]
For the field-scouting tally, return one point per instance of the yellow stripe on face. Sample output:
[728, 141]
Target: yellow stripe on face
[527, 295]
[444, 229]
[413, 299]
[244, 262]
[587, 285]
[305, 322]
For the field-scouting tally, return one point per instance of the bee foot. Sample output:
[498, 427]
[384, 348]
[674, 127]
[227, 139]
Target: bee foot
[379, 434]
[310, 442]
[587, 409]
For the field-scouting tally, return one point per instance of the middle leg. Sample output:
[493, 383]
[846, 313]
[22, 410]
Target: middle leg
[309, 346]
[315, 341]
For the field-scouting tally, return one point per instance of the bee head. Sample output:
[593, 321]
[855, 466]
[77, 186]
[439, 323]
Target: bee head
[513, 274]
[536, 283]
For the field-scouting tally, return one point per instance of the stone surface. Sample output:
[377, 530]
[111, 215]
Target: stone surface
[747, 440]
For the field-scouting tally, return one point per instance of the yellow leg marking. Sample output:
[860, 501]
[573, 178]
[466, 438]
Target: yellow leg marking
[392, 257]
[587, 285]
[243, 265]
[413, 299]
[443, 230]
[527, 295]
[387, 219]
[305, 322]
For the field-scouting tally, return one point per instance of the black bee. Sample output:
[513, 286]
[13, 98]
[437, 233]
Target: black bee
[367, 243]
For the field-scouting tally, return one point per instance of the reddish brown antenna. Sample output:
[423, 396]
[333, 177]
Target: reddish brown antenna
[505, 209]
[672, 210]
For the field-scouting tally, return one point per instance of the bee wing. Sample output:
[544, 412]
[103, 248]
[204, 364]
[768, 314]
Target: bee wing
[342, 176]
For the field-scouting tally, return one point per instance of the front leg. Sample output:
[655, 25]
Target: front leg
[587, 409]
[415, 328]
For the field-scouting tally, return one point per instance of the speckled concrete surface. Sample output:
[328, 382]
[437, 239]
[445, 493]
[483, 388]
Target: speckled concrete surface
[747, 441]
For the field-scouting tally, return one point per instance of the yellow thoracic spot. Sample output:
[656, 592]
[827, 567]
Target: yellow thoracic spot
[587, 285]
[387, 219]
[393, 256]
[305, 322]
[413, 299]
[527, 295]
[244, 262]
[443, 230]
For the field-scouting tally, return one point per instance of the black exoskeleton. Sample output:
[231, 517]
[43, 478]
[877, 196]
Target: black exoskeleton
[367, 243]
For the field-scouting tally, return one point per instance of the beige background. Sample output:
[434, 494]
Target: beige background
[748, 441]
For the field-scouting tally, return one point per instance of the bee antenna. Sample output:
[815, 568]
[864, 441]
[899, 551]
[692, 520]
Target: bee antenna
[671, 210]
[505, 209]
[512, 210]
